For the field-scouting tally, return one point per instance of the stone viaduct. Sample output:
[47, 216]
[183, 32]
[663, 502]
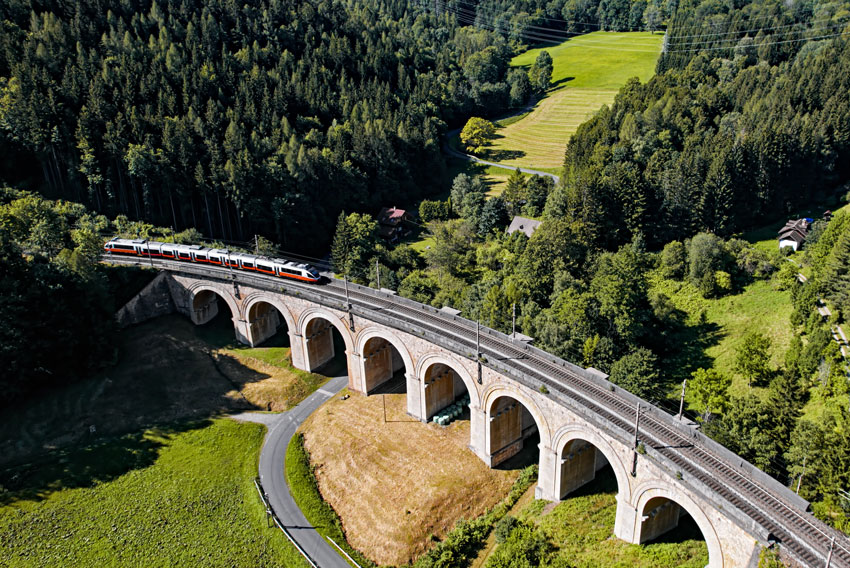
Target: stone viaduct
[503, 413]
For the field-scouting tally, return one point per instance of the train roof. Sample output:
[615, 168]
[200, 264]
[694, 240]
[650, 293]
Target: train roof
[217, 251]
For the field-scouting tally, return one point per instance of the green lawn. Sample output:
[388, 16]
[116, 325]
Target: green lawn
[713, 342]
[588, 72]
[165, 497]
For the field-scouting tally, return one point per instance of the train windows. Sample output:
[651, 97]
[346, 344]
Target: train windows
[123, 247]
[199, 256]
[183, 256]
[247, 263]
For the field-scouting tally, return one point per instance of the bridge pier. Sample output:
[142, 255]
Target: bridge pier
[578, 466]
[318, 344]
[263, 324]
[546, 475]
[414, 397]
[353, 361]
[661, 515]
[626, 519]
[478, 432]
[204, 308]
[296, 351]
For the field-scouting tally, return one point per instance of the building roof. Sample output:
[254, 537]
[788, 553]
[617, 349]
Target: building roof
[792, 235]
[801, 224]
[527, 226]
[391, 216]
[795, 230]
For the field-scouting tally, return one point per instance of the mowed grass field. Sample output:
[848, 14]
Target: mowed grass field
[588, 72]
[177, 496]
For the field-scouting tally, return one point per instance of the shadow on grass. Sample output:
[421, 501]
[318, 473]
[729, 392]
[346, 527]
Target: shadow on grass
[502, 155]
[88, 466]
[554, 86]
[604, 482]
[683, 346]
[687, 530]
[168, 372]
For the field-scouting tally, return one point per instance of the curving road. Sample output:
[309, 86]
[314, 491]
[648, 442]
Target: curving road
[447, 149]
[272, 461]
[749, 496]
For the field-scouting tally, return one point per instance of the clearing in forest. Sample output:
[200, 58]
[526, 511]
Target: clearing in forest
[395, 483]
[588, 72]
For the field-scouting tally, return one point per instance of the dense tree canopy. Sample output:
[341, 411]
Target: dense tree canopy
[266, 117]
[726, 135]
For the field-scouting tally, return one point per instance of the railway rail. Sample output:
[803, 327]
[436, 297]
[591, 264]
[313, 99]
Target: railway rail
[773, 510]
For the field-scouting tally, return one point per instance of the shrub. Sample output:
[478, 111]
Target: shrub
[673, 260]
[504, 528]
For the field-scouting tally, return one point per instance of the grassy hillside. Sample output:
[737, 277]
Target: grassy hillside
[713, 341]
[588, 72]
[578, 532]
[165, 497]
[167, 371]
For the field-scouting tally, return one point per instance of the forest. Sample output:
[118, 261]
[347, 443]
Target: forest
[266, 117]
[726, 137]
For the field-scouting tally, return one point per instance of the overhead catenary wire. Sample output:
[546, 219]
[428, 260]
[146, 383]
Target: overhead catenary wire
[467, 17]
[767, 18]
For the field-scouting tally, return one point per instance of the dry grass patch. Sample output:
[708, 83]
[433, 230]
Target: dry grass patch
[394, 484]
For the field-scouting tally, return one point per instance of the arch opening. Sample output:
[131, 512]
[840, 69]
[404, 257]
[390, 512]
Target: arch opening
[580, 463]
[267, 326]
[665, 521]
[217, 324]
[514, 434]
[446, 395]
[383, 367]
[325, 346]
[205, 306]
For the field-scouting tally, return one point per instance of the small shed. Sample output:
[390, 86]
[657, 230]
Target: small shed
[527, 226]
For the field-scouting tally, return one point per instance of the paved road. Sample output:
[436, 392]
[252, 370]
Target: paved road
[447, 149]
[272, 458]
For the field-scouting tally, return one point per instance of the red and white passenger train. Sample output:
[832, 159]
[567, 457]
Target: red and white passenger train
[219, 257]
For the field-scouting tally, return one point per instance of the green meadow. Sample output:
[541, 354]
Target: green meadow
[179, 496]
[588, 72]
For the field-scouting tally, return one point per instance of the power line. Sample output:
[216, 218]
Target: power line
[469, 17]
[766, 18]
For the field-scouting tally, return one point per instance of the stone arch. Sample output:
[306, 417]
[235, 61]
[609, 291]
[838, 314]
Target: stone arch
[653, 490]
[373, 332]
[427, 361]
[303, 329]
[262, 311]
[205, 312]
[573, 432]
[256, 297]
[491, 396]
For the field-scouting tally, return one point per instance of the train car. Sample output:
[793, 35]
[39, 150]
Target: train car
[278, 267]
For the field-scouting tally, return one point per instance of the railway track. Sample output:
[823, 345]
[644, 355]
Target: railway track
[802, 537]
